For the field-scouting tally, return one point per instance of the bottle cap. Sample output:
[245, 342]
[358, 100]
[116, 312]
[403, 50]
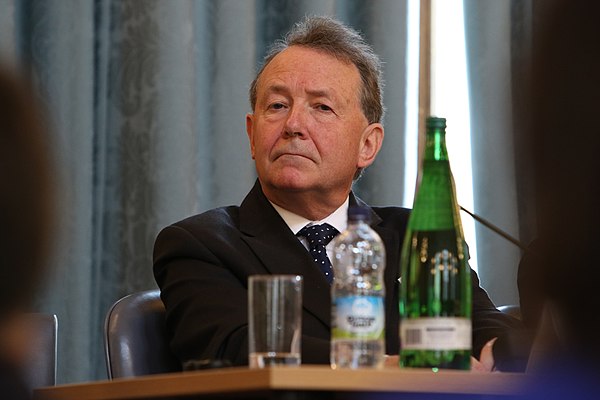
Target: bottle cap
[436, 123]
[357, 213]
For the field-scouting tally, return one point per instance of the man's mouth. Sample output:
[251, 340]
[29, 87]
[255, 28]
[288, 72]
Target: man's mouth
[291, 154]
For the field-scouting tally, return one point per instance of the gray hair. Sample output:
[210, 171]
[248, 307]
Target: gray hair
[334, 38]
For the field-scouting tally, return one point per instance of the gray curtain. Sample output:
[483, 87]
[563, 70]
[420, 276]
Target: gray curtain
[498, 42]
[147, 101]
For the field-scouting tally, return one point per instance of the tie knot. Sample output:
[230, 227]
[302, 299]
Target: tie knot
[318, 234]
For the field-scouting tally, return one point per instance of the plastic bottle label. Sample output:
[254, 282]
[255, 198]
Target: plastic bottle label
[358, 317]
[441, 333]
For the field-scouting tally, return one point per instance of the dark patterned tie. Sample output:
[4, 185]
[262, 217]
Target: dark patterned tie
[318, 236]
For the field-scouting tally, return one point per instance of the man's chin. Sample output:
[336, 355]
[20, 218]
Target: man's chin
[288, 184]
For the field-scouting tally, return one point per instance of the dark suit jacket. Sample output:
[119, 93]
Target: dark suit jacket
[202, 264]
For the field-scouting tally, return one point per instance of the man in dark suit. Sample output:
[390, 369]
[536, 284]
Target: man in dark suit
[315, 126]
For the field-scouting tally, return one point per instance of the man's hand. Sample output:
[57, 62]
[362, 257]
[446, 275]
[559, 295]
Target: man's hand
[391, 361]
[486, 359]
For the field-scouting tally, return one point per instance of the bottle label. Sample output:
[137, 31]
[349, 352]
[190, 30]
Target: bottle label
[441, 333]
[358, 317]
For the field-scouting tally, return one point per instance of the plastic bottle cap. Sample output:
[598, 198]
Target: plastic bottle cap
[356, 213]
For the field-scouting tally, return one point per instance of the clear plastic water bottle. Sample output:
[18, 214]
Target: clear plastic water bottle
[357, 294]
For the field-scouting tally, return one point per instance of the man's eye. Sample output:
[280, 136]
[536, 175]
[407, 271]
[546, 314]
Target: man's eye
[277, 106]
[324, 107]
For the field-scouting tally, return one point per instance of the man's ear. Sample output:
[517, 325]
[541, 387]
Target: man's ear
[370, 144]
[250, 131]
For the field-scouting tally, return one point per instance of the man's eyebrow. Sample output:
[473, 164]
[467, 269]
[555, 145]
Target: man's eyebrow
[320, 93]
[276, 88]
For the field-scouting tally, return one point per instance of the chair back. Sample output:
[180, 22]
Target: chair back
[40, 363]
[135, 339]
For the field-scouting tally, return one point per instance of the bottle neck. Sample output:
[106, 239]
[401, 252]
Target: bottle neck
[435, 145]
[435, 206]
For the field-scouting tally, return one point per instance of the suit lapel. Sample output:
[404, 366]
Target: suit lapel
[280, 251]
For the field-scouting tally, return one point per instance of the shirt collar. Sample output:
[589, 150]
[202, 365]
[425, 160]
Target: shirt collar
[338, 219]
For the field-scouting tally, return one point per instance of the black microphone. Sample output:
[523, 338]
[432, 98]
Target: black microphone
[495, 229]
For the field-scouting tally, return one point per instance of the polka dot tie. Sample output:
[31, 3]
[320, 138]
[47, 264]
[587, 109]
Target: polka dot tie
[318, 236]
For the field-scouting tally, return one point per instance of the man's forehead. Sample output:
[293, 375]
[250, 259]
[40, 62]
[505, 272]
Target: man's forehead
[298, 56]
[319, 72]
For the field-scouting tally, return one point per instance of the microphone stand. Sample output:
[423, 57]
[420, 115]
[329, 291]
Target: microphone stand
[495, 229]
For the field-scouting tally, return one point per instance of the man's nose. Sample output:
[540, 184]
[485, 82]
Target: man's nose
[295, 123]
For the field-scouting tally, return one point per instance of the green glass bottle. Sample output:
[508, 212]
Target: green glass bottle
[435, 291]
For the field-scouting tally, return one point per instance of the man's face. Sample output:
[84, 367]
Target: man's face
[308, 131]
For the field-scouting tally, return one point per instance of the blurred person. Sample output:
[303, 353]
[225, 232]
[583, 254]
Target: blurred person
[564, 143]
[315, 126]
[25, 219]
[559, 275]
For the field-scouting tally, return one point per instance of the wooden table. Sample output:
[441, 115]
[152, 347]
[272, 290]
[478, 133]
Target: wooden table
[306, 382]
